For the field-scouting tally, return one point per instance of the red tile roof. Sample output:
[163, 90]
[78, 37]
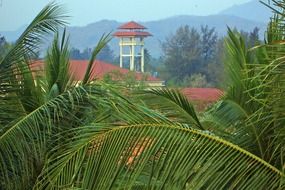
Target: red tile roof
[132, 25]
[202, 94]
[100, 69]
[131, 33]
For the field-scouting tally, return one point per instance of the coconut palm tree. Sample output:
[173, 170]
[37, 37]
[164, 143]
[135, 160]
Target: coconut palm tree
[39, 105]
[36, 104]
[251, 113]
[57, 133]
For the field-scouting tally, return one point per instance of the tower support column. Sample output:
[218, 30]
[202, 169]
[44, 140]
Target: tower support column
[121, 52]
[142, 59]
[132, 58]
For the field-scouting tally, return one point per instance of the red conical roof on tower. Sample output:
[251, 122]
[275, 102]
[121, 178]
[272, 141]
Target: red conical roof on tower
[132, 25]
[131, 29]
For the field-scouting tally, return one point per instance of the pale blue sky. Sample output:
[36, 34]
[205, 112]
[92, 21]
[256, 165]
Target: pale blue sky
[16, 13]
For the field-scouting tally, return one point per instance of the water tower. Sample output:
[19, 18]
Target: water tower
[131, 43]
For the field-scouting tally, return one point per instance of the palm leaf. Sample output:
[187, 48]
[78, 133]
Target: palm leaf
[48, 20]
[31, 133]
[251, 113]
[147, 156]
[173, 104]
[57, 67]
[241, 99]
[16, 80]
[100, 45]
[228, 120]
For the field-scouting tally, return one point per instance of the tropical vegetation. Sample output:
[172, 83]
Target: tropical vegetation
[58, 133]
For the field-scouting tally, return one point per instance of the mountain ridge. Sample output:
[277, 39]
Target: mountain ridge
[159, 29]
[252, 10]
[82, 37]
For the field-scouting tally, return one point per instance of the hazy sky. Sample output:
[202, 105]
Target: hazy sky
[16, 13]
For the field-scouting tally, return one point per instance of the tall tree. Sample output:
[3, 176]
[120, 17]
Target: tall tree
[210, 54]
[215, 68]
[209, 39]
[106, 54]
[2, 40]
[251, 38]
[182, 52]
[254, 37]
[190, 52]
[75, 54]
[86, 53]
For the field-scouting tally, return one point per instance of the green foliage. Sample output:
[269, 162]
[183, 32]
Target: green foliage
[182, 52]
[128, 80]
[146, 156]
[250, 38]
[57, 74]
[22, 105]
[215, 68]
[101, 44]
[149, 62]
[175, 105]
[195, 81]
[250, 113]
[209, 39]
[37, 105]
[189, 52]
[106, 54]
[56, 134]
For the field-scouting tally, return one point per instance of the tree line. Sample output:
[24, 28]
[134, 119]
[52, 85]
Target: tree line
[191, 57]
[106, 54]
[194, 58]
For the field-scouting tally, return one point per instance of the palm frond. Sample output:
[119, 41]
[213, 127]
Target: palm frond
[251, 111]
[47, 21]
[24, 142]
[269, 117]
[127, 111]
[277, 6]
[228, 120]
[16, 79]
[150, 156]
[172, 104]
[57, 67]
[100, 45]
[241, 99]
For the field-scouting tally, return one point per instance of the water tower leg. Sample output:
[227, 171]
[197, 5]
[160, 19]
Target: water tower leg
[142, 59]
[132, 60]
[121, 56]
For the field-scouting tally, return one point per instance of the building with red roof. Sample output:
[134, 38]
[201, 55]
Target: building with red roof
[101, 69]
[202, 94]
[131, 29]
[202, 97]
[132, 25]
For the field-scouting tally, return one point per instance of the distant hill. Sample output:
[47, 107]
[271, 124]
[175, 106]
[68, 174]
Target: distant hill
[253, 10]
[87, 36]
[82, 37]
